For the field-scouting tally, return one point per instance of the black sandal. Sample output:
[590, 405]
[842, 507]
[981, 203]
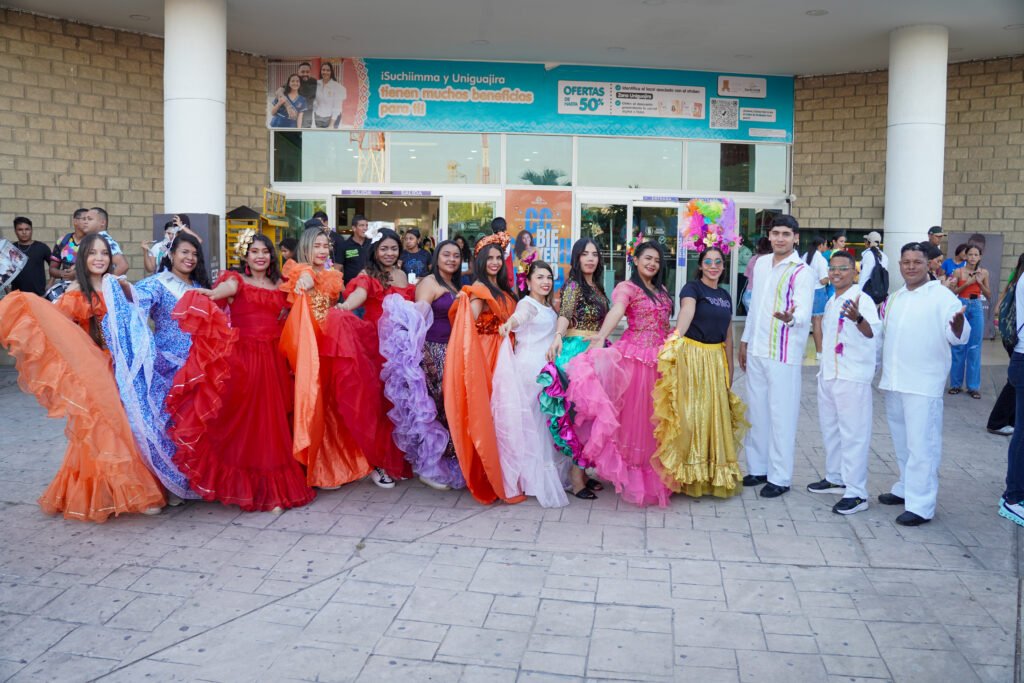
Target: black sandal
[954, 391]
[594, 485]
[974, 394]
[585, 494]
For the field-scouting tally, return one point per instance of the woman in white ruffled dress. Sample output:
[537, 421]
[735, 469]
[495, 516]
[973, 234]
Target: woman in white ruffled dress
[529, 463]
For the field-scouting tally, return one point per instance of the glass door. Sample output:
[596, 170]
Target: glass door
[753, 223]
[607, 225]
[660, 222]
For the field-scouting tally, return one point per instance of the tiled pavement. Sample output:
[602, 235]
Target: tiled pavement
[417, 585]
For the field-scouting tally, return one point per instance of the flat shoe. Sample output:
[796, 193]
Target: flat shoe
[594, 485]
[890, 499]
[974, 394]
[954, 391]
[585, 494]
[909, 518]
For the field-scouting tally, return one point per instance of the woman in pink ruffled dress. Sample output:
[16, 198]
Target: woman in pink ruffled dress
[612, 388]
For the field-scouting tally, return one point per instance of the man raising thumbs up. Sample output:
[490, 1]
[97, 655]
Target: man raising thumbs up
[920, 321]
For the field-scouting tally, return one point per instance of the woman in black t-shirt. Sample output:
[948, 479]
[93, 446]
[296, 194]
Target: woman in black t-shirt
[698, 419]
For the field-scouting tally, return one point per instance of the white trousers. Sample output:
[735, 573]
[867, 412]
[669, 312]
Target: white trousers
[773, 404]
[844, 413]
[916, 425]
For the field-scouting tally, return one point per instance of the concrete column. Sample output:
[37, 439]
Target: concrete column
[915, 139]
[195, 95]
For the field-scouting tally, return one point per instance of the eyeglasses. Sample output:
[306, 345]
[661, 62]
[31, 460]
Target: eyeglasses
[838, 269]
[712, 262]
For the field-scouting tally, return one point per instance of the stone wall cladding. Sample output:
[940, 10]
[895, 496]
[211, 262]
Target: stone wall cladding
[81, 124]
[839, 151]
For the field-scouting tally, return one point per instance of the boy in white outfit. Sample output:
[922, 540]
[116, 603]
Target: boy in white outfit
[920, 321]
[850, 330]
[772, 353]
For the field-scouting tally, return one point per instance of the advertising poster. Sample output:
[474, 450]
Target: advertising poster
[504, 97]
[547, 216]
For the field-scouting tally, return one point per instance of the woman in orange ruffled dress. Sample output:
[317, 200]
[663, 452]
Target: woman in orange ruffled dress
[477, 314]
[321, 440]
[67, 367]
[354, 347]
[228, 460]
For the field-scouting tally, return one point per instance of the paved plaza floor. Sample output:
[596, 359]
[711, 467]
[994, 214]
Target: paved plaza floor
[413, 584]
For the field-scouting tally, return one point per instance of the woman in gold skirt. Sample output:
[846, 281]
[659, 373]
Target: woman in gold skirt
[699, 421]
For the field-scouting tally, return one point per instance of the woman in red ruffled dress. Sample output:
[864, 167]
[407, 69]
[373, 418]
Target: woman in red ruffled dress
[62, 358]
[354, 346]
[230, 460]
[322, 440]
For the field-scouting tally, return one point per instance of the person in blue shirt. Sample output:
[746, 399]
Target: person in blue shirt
[415, 261]
[959, 260]
[289, 106]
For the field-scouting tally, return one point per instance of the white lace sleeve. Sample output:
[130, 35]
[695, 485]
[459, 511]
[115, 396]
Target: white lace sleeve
[526, 310]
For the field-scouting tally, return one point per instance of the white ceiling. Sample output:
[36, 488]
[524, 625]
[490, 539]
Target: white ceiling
[754, 36]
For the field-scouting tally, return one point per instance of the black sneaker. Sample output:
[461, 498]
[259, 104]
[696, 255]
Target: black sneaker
[755, 479]
[909, 518]
[890, 499]
[825, 486]
[771, 490]
[848, 506]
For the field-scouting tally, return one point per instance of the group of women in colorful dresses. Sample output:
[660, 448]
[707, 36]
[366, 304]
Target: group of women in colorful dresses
[472, 387]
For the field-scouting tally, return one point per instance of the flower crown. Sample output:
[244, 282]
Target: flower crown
[500, 238]
[245, 239]
[710, 223]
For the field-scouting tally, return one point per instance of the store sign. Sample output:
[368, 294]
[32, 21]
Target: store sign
[501, 97]
[547, 216]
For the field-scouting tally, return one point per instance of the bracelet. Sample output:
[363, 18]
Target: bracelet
[860, 319]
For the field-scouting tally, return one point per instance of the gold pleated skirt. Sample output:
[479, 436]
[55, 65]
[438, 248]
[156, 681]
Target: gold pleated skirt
[699, 422]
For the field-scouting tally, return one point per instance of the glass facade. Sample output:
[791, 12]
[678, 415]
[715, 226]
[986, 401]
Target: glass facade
[451, 158]
[630, 162]
[539, 160]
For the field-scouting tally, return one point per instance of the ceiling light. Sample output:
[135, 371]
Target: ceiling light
[481, 42]
[412, 157]
[816, 12]
[340, 39]
[525, 159]
[1013, 27]
[615, 48]
[139, 17]
[472, 151]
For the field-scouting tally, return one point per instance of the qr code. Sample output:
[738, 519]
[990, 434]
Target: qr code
[725, 114]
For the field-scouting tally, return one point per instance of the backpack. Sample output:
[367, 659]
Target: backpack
[877, 286]
[1008, 328]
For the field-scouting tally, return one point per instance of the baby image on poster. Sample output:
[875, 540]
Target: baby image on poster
[325, 93]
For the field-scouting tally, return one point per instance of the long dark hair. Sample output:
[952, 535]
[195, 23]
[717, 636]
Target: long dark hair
[1018, 271]
[576, 272]
[480, 269]
[521, 245]
[199, 274]
[467, 255]
[659, 278]
[452, 285]
[273, 271]
[85, 283]
[816, 242]
[373, 267]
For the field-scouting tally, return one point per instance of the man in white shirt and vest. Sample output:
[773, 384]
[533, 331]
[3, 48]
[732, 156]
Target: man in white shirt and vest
[920, 321]
[850, 331]
[772, 353]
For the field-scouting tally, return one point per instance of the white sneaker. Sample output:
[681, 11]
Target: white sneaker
[1013, 512]
[1002, 431]
[817, 356]
[277, 511]
[436, 485]
[173, 500]
[381, 478]
[152, 511]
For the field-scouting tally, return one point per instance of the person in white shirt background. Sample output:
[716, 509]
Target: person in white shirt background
[920, 322]
[815, 258]
[330, 97]
[872, 255]
[851, 329]
[771, 353]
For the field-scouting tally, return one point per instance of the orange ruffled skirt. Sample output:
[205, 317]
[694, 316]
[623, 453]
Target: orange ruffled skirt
[102, 473]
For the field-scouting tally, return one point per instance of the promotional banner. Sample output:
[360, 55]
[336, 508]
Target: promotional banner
[547, 216]
[505, 97]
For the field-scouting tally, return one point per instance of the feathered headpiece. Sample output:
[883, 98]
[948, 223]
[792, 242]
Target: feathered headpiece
[501, 239]
[710, 223]
[245, 239]
[631, 248]
[374, 234]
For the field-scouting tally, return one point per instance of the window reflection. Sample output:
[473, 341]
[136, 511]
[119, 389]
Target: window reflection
[539, 160]
[451, 158]
[630, 162]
